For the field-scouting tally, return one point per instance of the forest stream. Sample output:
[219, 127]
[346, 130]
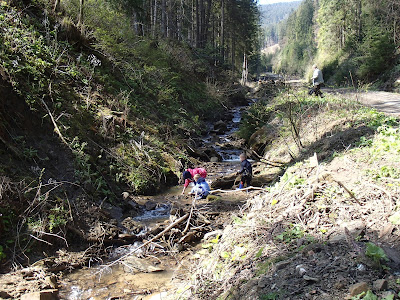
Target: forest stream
[137, 278]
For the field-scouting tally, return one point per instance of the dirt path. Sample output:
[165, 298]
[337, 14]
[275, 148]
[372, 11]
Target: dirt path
[386, 102]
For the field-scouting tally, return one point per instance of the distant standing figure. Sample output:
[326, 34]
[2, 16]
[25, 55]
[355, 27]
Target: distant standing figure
[318, 81]
[201, 188]
[246, 171]
[188, 176]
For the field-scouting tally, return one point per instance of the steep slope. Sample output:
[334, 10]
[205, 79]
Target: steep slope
[82, 121]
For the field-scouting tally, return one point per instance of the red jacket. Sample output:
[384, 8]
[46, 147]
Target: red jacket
[201, 171]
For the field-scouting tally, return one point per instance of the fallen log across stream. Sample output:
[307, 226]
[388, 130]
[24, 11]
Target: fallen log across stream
[239, 190]
[184, 229]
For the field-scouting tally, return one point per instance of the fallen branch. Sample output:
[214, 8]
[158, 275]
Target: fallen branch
[231, 191]
[190, 217]
[178, 221]
[348, 191]
[56, 129]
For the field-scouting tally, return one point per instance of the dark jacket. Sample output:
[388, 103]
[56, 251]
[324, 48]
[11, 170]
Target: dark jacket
[246, 169]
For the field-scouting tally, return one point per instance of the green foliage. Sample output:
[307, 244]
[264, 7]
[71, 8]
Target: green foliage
[239, 220]
[58, 217]
[385, 172]
[264, 267]
[364, 142]
[293, 232]
[376, 254]
[369, 295]
[355, 41]
[299, 47]
[292, 180]
[2, 254]
[269, 296]
[238, 253]
[377, 119]
[25, 55]
[395, 218]
[259, 252]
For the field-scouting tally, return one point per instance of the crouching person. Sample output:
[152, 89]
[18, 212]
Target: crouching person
[201, 188]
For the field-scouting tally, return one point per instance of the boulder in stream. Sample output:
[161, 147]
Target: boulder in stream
[133, 263]
[204, 153]
[220, 127]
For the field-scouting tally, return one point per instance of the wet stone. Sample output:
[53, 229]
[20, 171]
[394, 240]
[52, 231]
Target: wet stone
[150, 205]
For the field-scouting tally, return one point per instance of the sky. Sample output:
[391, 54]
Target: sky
[262, 2]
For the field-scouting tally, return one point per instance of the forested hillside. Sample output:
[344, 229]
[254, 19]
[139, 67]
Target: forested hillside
[272, 15]
[99, 97]
[352, 40]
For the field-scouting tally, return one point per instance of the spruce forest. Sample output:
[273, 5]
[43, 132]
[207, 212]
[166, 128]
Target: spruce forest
[177, 149]
[358, 39]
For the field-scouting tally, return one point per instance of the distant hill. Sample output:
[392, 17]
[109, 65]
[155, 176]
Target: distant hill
[272, 14]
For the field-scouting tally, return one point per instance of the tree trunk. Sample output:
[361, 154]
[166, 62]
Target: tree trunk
[233, 51]
[245, 70]
[207, 22]
[222, 30]
[135, 22]
[202, 19]
[80, 16]
[180, 21]
[56, 6]
[163, 18]
[192, 36]
[154, 19]
[197, 25]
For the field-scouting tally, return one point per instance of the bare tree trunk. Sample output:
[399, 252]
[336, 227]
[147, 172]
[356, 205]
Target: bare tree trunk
[163, 18]
[80, 15]
[359, 27]
[207, 22]
[233, 50]
[192, 37]
[223, 30]
[168, 14]
[197, 25]
[154, 19]
[202, 19]
[56, 5]
[245, 70]
[180, 20]
[135, 22]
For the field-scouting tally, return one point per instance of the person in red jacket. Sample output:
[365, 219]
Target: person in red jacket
[188, 176]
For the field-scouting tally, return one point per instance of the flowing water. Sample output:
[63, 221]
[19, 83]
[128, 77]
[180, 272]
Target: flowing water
[122, 282]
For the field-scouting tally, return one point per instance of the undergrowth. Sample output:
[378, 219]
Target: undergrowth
[307, 208]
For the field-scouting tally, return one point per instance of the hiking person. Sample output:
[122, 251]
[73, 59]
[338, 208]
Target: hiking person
[201, 188]
[188, 176]
[318, 81]
[246, 171]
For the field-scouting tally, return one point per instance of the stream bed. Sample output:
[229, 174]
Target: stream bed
[148, 278]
